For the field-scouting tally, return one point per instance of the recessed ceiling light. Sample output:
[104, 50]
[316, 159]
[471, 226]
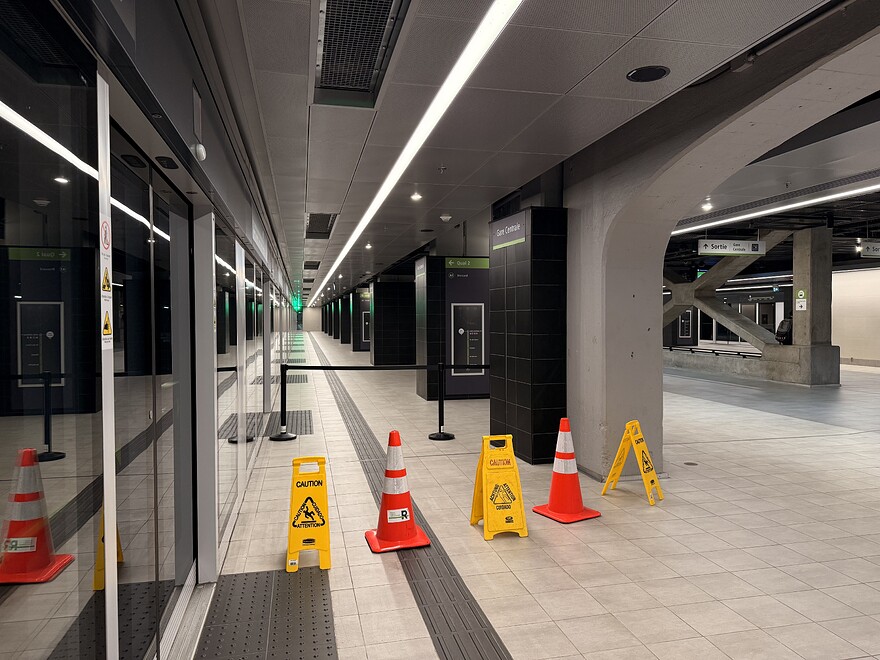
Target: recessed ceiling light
[415, 197]
[368, 246]
[707, 206]
[340, 276]
[493, 23]
[61, 179]
[646, 74]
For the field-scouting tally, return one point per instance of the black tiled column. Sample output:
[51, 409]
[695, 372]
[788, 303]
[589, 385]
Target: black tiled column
[430, 326]
[393, 313]
[335, 306]
[527, 283]
[345, 319]
[360, 320]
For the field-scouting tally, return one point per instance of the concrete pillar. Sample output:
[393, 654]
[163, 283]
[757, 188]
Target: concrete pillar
[812, 276]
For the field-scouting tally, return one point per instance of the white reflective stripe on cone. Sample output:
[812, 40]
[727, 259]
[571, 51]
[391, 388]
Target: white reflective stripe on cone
[564, 443]
[565, 466]
[395, 458]
[395, 486]
[25, 511]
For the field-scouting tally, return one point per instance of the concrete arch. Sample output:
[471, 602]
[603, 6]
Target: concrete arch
[626, 193]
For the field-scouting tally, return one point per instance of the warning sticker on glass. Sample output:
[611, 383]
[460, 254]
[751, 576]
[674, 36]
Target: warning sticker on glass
[398, 515]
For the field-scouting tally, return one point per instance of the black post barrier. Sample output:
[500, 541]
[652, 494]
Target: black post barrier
[441, 395]
[283, 434]
[48, 455]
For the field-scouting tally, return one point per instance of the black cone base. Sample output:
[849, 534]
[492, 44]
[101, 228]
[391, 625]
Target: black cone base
[50, 456]
[441, 435]
[279, 437]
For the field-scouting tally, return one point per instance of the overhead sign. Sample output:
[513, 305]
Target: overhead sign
[498, 498]
[633, 439]
[706, 246]
[870, 249]
[309, 527]
[510, 231]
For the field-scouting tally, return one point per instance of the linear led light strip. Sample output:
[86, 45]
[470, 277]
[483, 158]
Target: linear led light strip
[53, 145]
[779, 209]
[493, 23]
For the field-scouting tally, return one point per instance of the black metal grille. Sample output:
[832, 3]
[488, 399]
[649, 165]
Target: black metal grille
[353, 35]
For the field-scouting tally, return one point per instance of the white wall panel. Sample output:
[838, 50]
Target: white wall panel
[855, 315]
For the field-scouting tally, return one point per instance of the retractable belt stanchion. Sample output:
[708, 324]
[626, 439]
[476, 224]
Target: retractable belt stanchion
[283, 434]
[441, 396]
[48, 455]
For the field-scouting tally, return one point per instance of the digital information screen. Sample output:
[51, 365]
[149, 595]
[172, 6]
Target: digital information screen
[468, 337]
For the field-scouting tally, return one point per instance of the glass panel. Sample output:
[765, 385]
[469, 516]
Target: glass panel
[174, 454]
[134, 354]
[49, 313]
[227, 377]
[254, 359]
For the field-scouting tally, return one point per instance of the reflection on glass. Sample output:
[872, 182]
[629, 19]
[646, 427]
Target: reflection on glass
[227, 377]
[48, 309]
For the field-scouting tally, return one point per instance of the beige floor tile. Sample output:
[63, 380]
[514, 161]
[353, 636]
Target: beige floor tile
[622, 598]
[393, 625]
[698, 648]
[675, 591]
[569, 604]
[598, 633]
[813, 642]
[422, 648]
[862, 597]
[503, 612]
[383, 598]
[752, 645]
[656, 625]
[817, 605]
[495, 585]
[711, 618]
[863, 632]
[724, 585]
[765, 611]
[545, 579]
[536, 641]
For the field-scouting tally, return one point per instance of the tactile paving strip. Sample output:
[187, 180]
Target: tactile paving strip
[298, 422]
[139, 605]
[270, 614]
[290, 361]
[459, 628]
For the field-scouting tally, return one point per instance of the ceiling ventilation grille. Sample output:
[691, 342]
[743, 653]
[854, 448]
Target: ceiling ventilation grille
[355, 41]
[320, 225]
[311, 265]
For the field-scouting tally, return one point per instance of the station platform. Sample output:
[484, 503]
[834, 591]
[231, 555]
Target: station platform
[767, 543]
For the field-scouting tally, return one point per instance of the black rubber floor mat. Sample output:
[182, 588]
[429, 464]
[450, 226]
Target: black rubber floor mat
[298, 422]
[270, 614]
[229, 428]
[140, 604]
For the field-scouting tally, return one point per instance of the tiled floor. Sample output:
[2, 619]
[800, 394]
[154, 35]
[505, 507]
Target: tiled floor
[768, 547]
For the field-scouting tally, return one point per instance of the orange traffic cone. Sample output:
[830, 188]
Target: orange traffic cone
[566, 504]
[396, 530]
[27, 553]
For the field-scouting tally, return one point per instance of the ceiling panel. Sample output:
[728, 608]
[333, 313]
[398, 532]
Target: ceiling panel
[325, 196]
[687, 62]
[467, 10]
[288, 156]
[430, 49]
[574, 123]
[330, 123]
[283, 103]
[444, 166]
[401, 109]
[731, 22]
[279, 35]
[627, 17]
[505, 167]
[476, 122]
[334, 160]
[474, 197]
[541, 60]
[375, 163]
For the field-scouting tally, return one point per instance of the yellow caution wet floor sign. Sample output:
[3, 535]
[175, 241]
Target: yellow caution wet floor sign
[497, 491]
[309, 527]
[98, 580]
[633, 439]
